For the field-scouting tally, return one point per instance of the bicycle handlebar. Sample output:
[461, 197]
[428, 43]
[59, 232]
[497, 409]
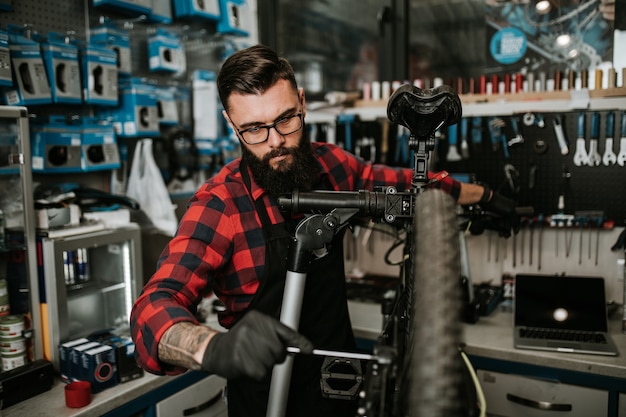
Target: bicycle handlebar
[368, 203]
[387, 205]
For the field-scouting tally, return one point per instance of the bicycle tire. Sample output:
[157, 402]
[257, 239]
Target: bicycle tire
[433, 364]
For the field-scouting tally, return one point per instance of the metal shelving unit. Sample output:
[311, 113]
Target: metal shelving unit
[21, 223]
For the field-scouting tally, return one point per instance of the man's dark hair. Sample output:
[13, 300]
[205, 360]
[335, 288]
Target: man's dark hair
[252, 71]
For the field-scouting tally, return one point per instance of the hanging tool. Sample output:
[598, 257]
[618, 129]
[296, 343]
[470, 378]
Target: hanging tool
[581, 223]
[514, 250]
[540, 221]
[532, 176]
[580, 157]
[620, 242]
[557, 123]
[384, 146]
[517, 136]
[402, 157]
[522, 236]
[453, 153]
[530, 119]
[621, 156]
[512, 177]
[464, 138]
[599, 225]
[476, 134]
[560, 207]
[531, 225]
[347, 120]
[367, 144]
[498, 138]
[609, 157]
[593, 157]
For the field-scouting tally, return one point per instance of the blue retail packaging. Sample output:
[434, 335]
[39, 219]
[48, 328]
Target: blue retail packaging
[99, 145]
[99, 367]
[166, 105]
[76, 356]
[137, 114]
[235, 17]
[80, 145]
[31, 83]
[63, 68]
[205, 9]
[56, 146]
[161, 12]
[132, 7]
[65, 361]
[166, 52]
[111, 36]
[6, 79]
[100, 75]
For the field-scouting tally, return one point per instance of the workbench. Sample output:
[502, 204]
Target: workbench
[489, 344]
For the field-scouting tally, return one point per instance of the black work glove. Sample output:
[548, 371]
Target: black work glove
[505, 219]
[252, 347]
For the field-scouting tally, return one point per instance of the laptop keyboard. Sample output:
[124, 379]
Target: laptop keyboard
[569, 335]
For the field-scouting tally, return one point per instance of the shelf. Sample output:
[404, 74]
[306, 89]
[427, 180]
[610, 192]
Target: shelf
[509, 104]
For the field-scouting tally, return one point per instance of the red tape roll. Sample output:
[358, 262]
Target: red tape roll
[77, 394]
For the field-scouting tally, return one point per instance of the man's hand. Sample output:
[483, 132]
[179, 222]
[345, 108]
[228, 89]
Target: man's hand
[503, 216]
[508, 220]
[252, 347]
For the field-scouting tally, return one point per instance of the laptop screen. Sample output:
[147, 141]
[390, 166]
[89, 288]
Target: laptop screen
[557, 302]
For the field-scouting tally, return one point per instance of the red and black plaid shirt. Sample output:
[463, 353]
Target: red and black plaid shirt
[220, 246]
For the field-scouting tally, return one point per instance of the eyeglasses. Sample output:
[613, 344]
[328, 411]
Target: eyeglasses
[259, 134]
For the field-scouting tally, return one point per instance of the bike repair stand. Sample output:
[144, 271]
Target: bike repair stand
[312, 233]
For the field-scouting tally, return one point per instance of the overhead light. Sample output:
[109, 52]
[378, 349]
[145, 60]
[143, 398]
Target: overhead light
[543, 6]
[563, 40]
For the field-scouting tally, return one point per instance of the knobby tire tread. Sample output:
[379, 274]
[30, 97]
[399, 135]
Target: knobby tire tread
[434, 365]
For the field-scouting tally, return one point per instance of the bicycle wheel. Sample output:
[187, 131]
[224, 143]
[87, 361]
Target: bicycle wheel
[433, 365]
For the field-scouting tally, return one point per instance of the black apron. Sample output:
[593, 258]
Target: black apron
[324, 320]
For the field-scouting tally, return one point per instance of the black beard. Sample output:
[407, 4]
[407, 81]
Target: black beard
[301, 174]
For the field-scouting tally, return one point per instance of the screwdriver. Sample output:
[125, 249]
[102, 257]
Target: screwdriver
[334, 353]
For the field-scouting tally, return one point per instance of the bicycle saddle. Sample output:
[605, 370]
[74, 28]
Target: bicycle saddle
[424, 111]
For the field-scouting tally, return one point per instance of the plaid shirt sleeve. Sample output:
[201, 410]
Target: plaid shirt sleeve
[218, 240]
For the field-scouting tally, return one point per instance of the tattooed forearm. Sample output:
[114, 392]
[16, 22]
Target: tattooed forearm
[183, 344]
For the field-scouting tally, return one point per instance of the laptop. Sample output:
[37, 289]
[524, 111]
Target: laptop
[562, 314]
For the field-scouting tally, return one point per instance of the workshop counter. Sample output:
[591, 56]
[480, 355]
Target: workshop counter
[492, 337]
[114, 400]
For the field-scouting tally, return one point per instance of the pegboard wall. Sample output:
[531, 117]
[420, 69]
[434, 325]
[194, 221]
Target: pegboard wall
[49, 15]
[534, 172]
